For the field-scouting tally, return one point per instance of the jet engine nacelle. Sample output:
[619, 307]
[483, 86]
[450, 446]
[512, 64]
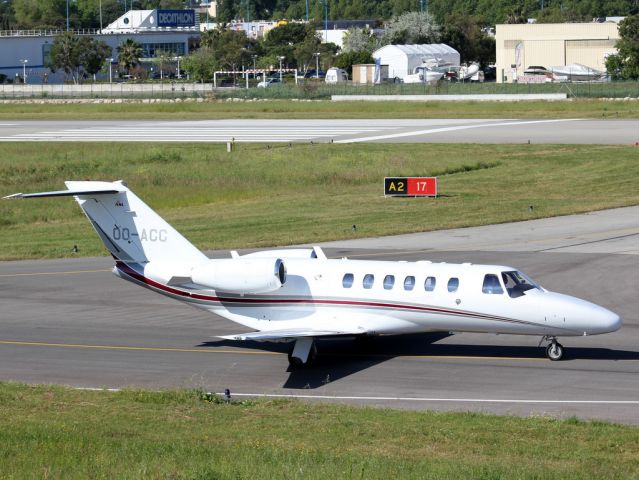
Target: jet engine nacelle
[241, 275]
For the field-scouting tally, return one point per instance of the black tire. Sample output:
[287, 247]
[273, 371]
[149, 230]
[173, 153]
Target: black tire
[294, 361]
[555, 351]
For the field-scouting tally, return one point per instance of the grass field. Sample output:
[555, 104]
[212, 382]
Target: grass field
[53, 432]
[288, 109]
[261, 196]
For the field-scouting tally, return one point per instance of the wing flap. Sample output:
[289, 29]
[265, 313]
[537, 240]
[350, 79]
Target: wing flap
[292, 333]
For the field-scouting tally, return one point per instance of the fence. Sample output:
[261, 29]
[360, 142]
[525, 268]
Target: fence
[309, 89]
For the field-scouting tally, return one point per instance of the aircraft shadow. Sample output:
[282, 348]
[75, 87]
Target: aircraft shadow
[339, 358]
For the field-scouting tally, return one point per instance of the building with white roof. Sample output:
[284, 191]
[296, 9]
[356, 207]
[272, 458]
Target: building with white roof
[402, 59]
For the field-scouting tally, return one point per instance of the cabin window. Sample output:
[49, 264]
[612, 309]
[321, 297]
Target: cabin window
[492, 285]
[517, 284]
[429, 284]
[368, 281]
[453, 284]
[389, 281]
[409, 283]
[347, 281]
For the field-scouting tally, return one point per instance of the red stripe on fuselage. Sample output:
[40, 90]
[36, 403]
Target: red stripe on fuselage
[127, 270]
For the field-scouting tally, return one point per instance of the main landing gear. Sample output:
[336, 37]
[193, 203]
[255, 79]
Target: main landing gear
[304, 352]
[554, 350]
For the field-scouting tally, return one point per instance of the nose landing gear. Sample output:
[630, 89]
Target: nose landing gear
[554, 350]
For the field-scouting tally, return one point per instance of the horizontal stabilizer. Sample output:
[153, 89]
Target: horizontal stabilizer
[288, 334]
[59, 193]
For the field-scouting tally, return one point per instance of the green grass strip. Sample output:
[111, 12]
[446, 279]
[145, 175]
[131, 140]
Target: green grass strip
[288, 109]
[55, 432]
[265, 195]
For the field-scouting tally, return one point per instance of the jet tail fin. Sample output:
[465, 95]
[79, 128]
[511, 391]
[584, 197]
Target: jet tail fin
[128, 227]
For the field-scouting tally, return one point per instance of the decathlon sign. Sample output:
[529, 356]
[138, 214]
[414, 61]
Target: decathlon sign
[176, 18]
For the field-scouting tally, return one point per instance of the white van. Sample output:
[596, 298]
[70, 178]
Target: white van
[336, 75]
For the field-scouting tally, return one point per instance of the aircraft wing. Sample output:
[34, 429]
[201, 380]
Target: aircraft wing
[291, 333]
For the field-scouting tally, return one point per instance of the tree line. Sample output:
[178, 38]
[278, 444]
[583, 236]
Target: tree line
[34, 14]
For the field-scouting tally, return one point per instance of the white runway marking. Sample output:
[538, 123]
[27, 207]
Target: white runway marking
[193, 133]
[449, 129]
[406, 399]
[428, 399]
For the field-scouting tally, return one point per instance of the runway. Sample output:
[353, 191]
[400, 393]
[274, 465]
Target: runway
[72, 322]
[564, 131]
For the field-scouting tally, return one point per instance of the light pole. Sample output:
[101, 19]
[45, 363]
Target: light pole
[178, 68]
[317, 55]
[254, 71]
[110, 74]
[24, 71]
[67, 15]
[325, 2]
[281, 59]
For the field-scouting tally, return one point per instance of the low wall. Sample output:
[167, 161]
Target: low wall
[107, 90]
[497, 97]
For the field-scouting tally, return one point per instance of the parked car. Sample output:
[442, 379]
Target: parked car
[269, 81]
[314, 74]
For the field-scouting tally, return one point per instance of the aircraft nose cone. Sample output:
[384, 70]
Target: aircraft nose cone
[611, 321]
[605, 321]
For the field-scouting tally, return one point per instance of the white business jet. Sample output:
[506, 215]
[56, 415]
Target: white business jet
[299, 295]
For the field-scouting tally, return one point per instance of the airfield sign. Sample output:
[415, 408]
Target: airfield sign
[410, 186]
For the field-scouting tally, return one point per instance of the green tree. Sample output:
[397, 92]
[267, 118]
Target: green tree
[229, 48]
[358, 40]
[65, 55]
[163, 61]
[92, 54]
[297, 42]
[76, 55]
[200, 64]
[226, 11]
[628, 47]
[465, 35]
[614, 66]
[34, 14]
[411, 27]
[7, 16]
[88, 12]
[129, 53]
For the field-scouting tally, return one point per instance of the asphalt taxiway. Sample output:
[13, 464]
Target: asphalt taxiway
[554, 131]
[72, 322]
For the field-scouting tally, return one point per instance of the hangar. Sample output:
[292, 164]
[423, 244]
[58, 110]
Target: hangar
[520, 46]
[402, 59]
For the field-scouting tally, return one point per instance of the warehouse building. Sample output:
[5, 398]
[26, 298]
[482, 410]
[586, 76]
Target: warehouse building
[25, 53]
[520, 46]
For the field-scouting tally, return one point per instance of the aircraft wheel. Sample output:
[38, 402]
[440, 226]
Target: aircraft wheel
[297, 362]
[294, 361]
[555, 351]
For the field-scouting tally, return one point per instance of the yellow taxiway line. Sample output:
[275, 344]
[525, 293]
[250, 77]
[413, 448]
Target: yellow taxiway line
[245, 352]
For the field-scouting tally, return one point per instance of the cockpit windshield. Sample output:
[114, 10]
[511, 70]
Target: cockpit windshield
[517, 283]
